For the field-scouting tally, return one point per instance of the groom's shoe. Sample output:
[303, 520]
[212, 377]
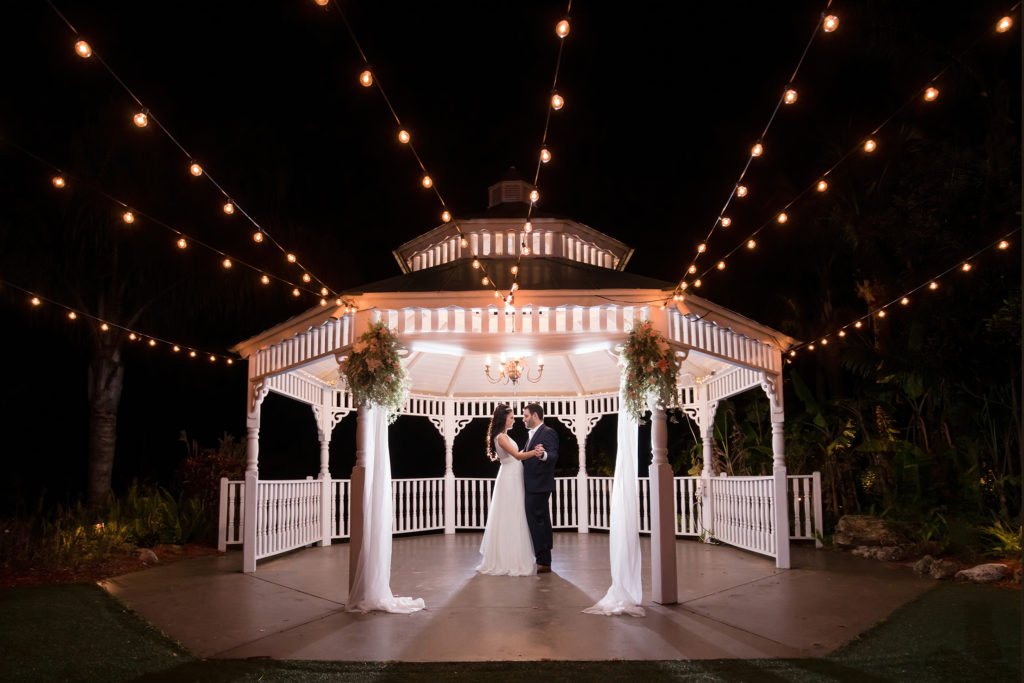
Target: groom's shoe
[543, 569]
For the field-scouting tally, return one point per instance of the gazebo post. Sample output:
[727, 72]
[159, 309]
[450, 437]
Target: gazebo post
[582, 494]
[772, 385]
[356, 486]
[663, 534]
[325, 420]
[706, 424]
[448, 432]
[257, 392]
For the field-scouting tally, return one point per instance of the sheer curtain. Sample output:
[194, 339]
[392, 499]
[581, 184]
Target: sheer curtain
[371, 589]
[626, 592]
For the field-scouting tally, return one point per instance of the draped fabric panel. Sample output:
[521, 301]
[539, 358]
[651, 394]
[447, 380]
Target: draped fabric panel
[371, 588]
[626, 592]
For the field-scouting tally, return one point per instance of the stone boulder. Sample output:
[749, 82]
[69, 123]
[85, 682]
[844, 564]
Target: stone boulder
[943, 569]
[924, 565]
[857, 530]
[889, 553]
[983, 573]
[148, 556]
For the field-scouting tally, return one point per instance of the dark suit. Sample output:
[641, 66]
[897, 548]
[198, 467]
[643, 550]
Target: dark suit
[539, 482]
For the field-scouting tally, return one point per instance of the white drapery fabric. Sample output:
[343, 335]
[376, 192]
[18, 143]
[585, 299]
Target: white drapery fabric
[626, 592]
[371, 588]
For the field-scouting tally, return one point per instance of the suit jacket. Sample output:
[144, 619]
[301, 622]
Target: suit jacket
[539, 475]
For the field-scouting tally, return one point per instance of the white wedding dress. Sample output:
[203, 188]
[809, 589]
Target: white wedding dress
[507, 548]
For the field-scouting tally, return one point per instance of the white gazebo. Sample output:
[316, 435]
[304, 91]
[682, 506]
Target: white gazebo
[574, 305]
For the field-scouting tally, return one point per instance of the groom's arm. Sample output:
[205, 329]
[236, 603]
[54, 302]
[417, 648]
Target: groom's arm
[550, 440]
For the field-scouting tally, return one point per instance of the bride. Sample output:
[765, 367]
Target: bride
[506, 548]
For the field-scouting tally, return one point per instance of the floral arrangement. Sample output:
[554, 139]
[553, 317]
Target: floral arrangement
[650, 370]
[374, 371]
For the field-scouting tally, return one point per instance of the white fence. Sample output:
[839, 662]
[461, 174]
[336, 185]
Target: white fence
[741, 509]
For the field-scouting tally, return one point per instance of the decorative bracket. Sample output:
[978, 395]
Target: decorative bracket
[774, 391]
[258, 391]
[460, 423]
[327, 420]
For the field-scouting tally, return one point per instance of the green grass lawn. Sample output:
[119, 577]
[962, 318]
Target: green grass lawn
[956, 632]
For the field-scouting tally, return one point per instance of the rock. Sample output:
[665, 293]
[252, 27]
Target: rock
[889, 553]
[983, 573]
[924, 565]
[1016, 575]
[863, 551]
[147, 555]
[943, 569]
[861, 530]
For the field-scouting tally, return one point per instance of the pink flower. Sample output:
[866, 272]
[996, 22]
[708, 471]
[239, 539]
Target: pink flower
[663, 365]
[372, 364]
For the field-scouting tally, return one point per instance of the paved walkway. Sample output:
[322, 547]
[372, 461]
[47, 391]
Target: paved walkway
[733, 604]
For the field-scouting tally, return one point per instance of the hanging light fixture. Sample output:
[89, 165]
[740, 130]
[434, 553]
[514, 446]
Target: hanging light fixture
[513, 370]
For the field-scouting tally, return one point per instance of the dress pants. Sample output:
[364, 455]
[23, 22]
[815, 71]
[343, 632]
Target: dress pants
[538, 518]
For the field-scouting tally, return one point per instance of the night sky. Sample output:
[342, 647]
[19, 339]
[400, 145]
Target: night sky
[664, 101]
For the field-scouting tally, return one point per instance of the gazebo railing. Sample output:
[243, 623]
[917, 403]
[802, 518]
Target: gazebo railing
[289, 512]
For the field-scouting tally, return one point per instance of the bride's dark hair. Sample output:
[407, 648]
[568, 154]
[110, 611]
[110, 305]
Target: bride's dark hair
[501, 412]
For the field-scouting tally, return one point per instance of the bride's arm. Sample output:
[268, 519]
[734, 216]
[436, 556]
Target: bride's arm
[510, 447]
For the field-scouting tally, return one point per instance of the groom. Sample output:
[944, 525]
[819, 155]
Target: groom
[539, 482]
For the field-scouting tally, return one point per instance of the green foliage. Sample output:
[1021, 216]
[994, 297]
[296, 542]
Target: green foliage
[1004, 538]
[374, 372]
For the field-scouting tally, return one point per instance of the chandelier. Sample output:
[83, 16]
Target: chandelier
[513, 370]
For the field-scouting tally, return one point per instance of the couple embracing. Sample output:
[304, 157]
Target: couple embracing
[518, 534]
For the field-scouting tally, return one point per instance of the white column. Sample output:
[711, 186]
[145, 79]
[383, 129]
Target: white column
[582, 494]
[252, 477]
[325, 488]
[449, 473]
[706, 424]
[663, 534]
[781, 497]
[356, 492]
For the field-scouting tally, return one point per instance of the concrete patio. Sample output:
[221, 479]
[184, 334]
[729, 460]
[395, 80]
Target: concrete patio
[733, 605]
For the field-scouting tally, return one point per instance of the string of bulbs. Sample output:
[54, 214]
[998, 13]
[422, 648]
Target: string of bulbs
[866, 145]
[37, 300]
[130, 215]
[827, 23]
[931, 284]
[144, 116]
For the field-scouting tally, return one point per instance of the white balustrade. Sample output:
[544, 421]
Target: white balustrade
[288, 512]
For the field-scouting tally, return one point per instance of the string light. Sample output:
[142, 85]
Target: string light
[881, 314]
[782, 218]
[741, 190]
[226, 263]
[904, 301]
[697, 283]
[196, 170]
[933, 286]
[191, 354]
[152, 342]
[463, 243]
[721, 265]
[557, 102]
[229, 208]
[445, 216]
[830, 23]
[295, 292]
[83, 50]
[515, 270]
[476, 263]
[534, 196]
[366, 79]
[562, 28]
[323, 302]
[132, 336]
[545, 155]
[291, 258]
[176, 348]
[427, 182]
[966, 267]
[257, 237]
[692, 269]
[790, 96]
[870, 145]
[72, 315]
[324, 291]
[35, 301]
[822, 186]
[751, 244]
[128, 217]
[1002, 27]
[858, 324]
[484, 281]
[701, 248]
[182, 243]
[265, 279]
[141, 120]
[930, 94]
[756, 150]
[527, 227]
[403, 137]
[305, 277]
[842, 333]
[1004, 245]
[726, 221]
[58, 182]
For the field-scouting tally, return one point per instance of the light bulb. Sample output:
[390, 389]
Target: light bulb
[323, 302]
[445, 216]
[403, 136]
[966, 267]
[257, 237]
[213, 359]
[692, 269]
[226, 263]
[697, 283]
[305, 277]
[141, 120]
[557, 102]
[562, 28]
[323, 291]
[534, 196]
[515, 286]
[291, 258]
[515, 270]
[295, 292]
[930, 94]
[322, 3]
[427, 182]
[83, 50]
[230, 362]
[72, 315]
[790, 96]
[463, 243]
[830, 23]
[497, 294]
[824, 342]
[182, 243]
[842, 333]
[741, 190]
[545, 155]
[526, 251]
[476, 264]
[527, 226]
[810, 347]
[152, 342]
[792, 353]
[35, 301]
[726, 221]
[484, 281]
[881, 314]
[904, 301]
[870, 145]
[721, 265]
[191, 354]
[104, 327]
[751, 244]
[58, 181]
[366, 79]
[933, 285]
[196, 170]
[128, 217]
[756, 150]
[701, 248]
[176, 348]
[822, 186]
[684, 285]
[1004, 245]
[133, 336]
[782, 218]
[1002, 27]
[858, 324]
[229, 208]
[265, 279]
